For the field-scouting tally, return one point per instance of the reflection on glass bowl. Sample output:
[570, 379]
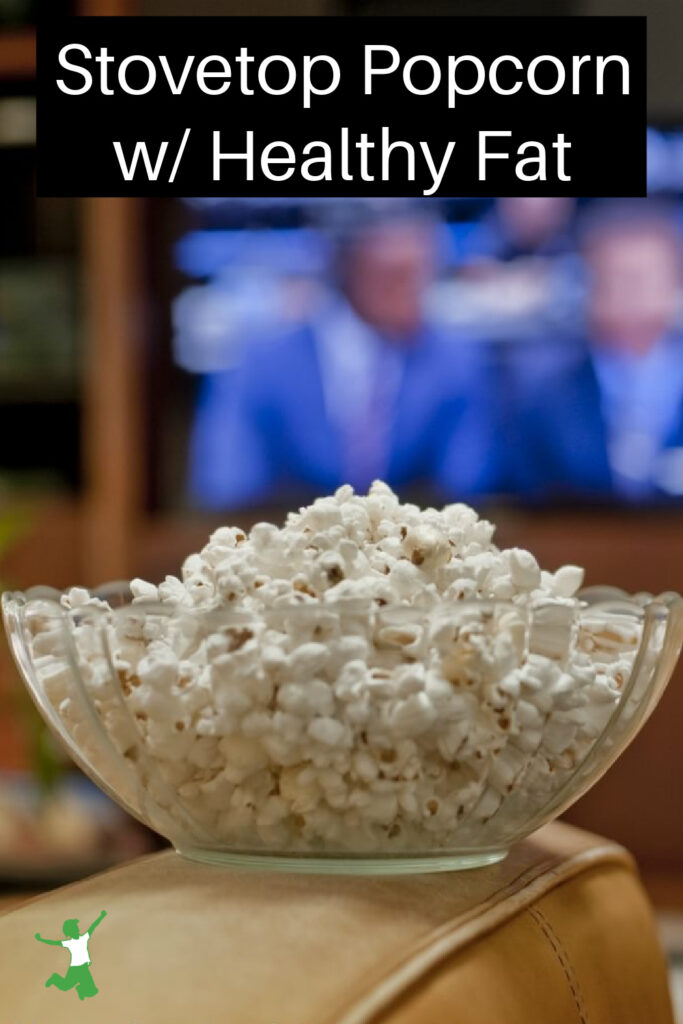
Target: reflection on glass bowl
[526, 712]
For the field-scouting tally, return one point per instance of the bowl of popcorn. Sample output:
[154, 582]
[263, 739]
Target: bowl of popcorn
[372, 687]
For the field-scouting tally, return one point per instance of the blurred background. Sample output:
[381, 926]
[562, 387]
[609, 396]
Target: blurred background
[168, 365]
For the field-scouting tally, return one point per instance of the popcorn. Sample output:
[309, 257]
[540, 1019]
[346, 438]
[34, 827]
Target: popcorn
[328, 731]
[370, 677]
[567, 580]
[412, 716]
[525, 573]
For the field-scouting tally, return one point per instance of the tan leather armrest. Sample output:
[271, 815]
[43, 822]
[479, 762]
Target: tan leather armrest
[560, 931]
[585, 953]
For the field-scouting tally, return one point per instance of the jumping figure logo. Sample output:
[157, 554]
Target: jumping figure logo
[78, 975]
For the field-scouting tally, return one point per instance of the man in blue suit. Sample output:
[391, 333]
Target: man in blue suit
[607, 423]
[367, 389]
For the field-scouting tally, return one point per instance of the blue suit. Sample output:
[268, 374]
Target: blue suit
[558, 437]
[264, 430]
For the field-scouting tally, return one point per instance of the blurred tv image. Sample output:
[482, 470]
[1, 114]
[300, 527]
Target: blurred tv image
[528, 349]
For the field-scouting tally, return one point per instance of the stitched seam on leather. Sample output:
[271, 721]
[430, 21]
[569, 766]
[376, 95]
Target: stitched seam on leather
[562, 958]
[445, 941]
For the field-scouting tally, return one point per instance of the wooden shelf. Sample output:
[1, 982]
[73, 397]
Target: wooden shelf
[17, 54]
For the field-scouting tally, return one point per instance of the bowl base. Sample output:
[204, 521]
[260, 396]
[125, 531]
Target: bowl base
[351, 865]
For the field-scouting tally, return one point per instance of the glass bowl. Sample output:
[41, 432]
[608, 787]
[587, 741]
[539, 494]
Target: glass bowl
[503, 752]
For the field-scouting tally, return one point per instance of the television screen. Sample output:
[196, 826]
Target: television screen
[523, 348]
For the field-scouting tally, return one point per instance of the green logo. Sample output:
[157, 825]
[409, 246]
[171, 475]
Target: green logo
[78, 975]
